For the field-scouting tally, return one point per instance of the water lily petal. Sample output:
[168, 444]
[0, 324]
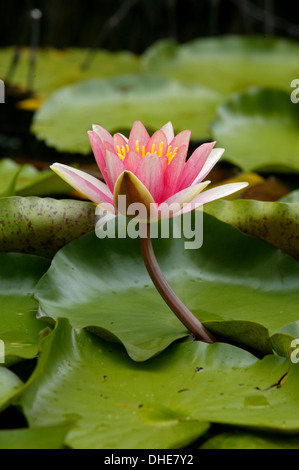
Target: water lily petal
[132, 161]
[98, 149]
[213, 194]
[119, 143]
[177, 201]
[168, 131]
[164, 163]
[138, 133]
[172, 175]
[183, 138]
[114, 167]
[195, 163]
[103, 134]
[87, 185]
[134, 190]
[211, 161]
[150, 173]
[155, 141]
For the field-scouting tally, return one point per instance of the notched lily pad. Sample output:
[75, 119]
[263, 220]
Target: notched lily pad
[240, 281]
[166, 402]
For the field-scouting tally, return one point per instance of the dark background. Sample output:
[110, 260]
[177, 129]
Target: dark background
[117, 25]
[136, 24]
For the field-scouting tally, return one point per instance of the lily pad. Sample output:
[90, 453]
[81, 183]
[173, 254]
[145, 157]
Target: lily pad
[42, 226]
[57, 68]
[285, 341]
[19, 328]
[275, 222]
[26, 180]
[165, 402]
[104, 285]
[115, 104]
[292, 197]
[10, 385]
[227, 63]
[246, 440]
[259, 130]
[9, 172]
[51, 437]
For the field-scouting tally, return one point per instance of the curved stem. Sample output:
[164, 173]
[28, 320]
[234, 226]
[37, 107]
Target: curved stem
[173, 301]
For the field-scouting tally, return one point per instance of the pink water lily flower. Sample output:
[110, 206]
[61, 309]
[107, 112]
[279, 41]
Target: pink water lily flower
[148, 170]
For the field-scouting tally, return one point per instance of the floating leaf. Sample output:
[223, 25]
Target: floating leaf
[227, 63]
[9, 172]
[19, 328]
[57, 68]
[10, 385]
[245, 440]
[116, 103]
[165, 402]
[26, 180]
[42, 226]
[259, 130]
[275, 222]
[50, 437]
[104, 285]
[282, 340]
[291, 197]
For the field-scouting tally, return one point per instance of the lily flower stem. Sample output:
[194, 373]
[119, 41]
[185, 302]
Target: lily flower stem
[190, 321]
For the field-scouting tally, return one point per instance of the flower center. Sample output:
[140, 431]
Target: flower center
[123, 151]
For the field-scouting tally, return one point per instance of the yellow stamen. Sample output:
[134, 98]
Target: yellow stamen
[160, 149]
[170, 155]
[124, 150]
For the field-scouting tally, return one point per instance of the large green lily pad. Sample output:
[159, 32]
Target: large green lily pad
[51, 437]
[57, 68]
[115, 104]
[227, 63]
[259, 130]
[242, 288]
[275, 222]
[166, 402]
[19, 328]
[42, 226]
